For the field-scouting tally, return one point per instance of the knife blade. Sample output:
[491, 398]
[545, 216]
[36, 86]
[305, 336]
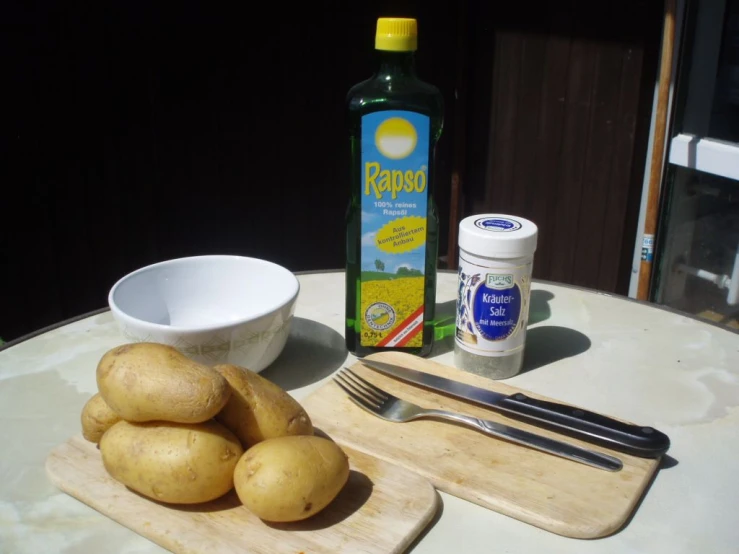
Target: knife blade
[638, 440]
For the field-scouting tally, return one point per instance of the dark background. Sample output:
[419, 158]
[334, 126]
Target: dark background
[137, 132]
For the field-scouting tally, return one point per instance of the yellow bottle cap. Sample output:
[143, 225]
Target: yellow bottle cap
[397, 34]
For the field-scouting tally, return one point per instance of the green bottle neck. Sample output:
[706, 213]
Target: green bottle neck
[392, 65]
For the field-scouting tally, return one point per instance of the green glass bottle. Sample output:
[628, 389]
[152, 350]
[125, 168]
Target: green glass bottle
[395, 121]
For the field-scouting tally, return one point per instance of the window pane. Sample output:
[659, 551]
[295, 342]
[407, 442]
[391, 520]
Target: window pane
[724, 123]
[697, 251]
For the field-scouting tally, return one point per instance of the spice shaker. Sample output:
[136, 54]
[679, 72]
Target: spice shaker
[496, 255]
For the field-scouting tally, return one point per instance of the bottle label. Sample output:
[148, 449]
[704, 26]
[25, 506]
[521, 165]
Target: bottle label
[395, 155]
[492, 308]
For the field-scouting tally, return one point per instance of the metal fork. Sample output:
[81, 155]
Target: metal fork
[388, 407]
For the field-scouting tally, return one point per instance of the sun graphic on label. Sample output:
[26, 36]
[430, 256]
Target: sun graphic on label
[396, 138]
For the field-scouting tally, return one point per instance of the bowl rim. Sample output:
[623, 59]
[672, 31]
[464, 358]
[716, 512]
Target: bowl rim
[117, 311]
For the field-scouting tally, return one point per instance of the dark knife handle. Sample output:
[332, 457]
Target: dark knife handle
[645, 442]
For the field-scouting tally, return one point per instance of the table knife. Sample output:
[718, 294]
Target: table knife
[637, 440]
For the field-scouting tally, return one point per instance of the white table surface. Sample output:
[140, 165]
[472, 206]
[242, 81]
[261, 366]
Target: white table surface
[610, 354]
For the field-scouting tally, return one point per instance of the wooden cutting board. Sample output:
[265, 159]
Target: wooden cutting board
[382, 509]
[552, 493]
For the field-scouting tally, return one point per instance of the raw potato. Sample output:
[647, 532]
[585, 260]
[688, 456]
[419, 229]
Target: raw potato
[150, 382]
[96, 418]
[290, 478]
[259, 409]
[172, 462]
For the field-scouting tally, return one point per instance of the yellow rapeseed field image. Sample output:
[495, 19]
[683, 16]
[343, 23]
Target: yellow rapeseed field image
[405, 295]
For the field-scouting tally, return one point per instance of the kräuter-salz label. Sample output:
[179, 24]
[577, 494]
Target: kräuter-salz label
[492, 307]
[395, 149]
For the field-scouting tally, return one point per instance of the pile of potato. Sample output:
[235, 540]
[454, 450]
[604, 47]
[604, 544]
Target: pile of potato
[181, 432]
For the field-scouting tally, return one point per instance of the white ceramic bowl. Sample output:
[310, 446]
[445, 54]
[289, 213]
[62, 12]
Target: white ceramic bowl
[214, 309]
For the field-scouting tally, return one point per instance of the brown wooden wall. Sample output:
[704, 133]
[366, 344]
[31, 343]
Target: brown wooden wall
[559, 104]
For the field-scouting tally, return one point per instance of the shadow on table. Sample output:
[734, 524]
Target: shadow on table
[668, 462]
[549, 343]
[444, 328]
[539, 309]
[313, 351]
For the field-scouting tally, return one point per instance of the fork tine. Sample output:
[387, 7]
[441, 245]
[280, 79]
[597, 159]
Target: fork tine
[381, 394]
[356, 394]
[357, 384]
[367, 407]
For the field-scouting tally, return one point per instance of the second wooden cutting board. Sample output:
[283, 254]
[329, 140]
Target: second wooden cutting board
[552, 493]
